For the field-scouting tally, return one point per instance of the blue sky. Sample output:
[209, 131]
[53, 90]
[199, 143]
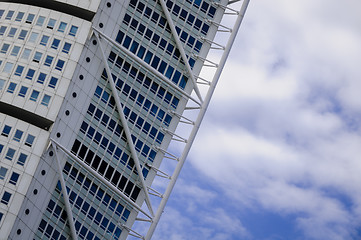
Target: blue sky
[278, 155]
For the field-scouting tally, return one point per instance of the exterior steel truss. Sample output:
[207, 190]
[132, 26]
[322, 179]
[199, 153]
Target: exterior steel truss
[201, 113]
[201, 104]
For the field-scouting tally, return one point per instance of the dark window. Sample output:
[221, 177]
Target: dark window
[119, 37]
[30, 18]
[127, 41]
[6, 131]
[14, 178]
[176, 10]
[148, 11]
[6, 197]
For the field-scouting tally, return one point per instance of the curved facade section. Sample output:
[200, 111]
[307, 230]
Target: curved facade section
[99, 88]
[38, 54]
[81, 9]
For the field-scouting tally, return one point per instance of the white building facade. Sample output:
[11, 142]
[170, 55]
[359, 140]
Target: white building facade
[92, 93]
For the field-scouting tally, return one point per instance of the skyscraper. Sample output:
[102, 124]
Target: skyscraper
[92, 96]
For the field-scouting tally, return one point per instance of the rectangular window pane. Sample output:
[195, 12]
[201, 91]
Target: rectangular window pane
[59, 65]
[37, 57]
[62, 27]
[30, 18]
[2, 83]
[30, 74]
[55, 43]
[44, 40]
[19, 17]
[6, 131]
[10, 154]
[22, 159]
[29, 140]
[41, 78]
[18, 135]
[5, 48]
[2, 30]
[8, 67]
[51, 23]
[23, 91]
[26, 53]
[14, 178]
[46, 100]
[19, 70]
[12, 32]
[66, 47]
[40, 21]
[15, 51]
[11, 87]
[6, 197]
[73, 30]
[48, 60]
[9, 15]
[3, 172]
[33, 37]
[34, 95]
[22, 34]
[52, 82]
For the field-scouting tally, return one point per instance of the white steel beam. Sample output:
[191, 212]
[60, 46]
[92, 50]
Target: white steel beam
[198, 121]
[180, 48]
[126, 129]
[65, 195]
[147, 66]
[100, 178]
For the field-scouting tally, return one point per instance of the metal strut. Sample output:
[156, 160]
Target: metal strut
[203, 81]
[198, 121]
[220, 47]
[65, 195]
[126, 129]
[227, 29]
[180, 48]
[234, 12]
[187, 120]
[147, 66]
[167, 154]
[163, 174]
[211, 64]
[100, 178]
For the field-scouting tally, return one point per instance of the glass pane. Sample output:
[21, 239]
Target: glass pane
[22, 159]
[26, 53]
[62, 27]
[19, 17]
[73, 30]
[40, 21]
[12, 32]
[3, 172]
[29, 140]
[6, 130]
[30, 18]
[23, 91]
[33, 36]
[8, 67]
[34, 95]
[46, 100]
[18, 135]
[11, 87]
[10, 154]
[51, 23]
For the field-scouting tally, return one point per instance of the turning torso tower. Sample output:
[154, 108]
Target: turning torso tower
[94, 96]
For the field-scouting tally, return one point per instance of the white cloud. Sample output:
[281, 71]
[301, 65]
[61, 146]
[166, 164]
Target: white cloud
[209, 222]
[283, 131]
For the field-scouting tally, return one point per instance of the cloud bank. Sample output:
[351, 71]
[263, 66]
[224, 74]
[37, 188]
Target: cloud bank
[282, 134]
